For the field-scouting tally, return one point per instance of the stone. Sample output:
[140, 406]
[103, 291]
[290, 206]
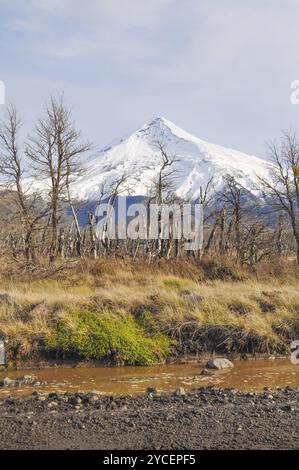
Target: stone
[7, 382]
[93, 399]
[76, 401]
[180, 392]
[5, 299]
[28, 380]
[39, 308]
[52, 404]
[64, 399]
[207, 372]
[52, 396]
[42, 398]
[152, 390]
[219, 364]
[192, 298]
[25, 380]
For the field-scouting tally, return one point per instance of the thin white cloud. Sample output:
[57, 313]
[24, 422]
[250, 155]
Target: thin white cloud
[51, 5]
[129, 12]
[123, 12]
[116, 28]
[201, 63]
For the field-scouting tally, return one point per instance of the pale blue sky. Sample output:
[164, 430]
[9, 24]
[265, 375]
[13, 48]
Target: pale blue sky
[221, 69]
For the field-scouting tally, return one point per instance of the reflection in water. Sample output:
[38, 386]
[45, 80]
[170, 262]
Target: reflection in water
[252, 375]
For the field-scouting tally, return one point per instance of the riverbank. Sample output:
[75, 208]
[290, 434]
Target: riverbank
[125, 313]
[177, 360]
[205, 418]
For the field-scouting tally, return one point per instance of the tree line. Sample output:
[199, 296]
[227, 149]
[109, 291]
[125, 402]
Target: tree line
[44, 223]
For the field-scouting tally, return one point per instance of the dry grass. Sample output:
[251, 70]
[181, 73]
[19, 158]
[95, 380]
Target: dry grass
[251, 313]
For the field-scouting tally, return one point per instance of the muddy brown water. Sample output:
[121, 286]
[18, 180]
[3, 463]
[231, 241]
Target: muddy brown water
[251, 375]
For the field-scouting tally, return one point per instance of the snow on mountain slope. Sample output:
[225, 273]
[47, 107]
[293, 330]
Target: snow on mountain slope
[138, 157]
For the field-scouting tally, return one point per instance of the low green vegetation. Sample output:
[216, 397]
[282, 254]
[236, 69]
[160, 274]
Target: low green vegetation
[116, 336]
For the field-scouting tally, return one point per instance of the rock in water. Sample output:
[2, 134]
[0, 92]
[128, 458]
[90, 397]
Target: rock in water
[25, 380]
[220, 363]
[28, 380]
[7, 382]
[207, 372]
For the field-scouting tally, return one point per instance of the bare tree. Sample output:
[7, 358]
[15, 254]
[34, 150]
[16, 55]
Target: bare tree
[279, 234]
[232, 198]
[110, 193]
[281, 190]
[28, 208]
[54, 150]
[164, 180]
[163, 191]
[205, 198]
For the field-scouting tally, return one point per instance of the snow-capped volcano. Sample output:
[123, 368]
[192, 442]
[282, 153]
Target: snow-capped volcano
[138, 157]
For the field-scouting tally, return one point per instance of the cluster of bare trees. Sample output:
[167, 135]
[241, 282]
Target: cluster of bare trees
[52, 153]
[253, 229]
[281, 191]
[243, 228]
[35, 223]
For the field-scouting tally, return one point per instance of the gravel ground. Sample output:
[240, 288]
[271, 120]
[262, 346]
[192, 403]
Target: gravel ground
[203, 419]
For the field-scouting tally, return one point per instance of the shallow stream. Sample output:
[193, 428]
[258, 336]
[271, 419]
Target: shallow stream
[251, 375]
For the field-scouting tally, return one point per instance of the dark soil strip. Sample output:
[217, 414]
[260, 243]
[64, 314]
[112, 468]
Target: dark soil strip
[203, 419]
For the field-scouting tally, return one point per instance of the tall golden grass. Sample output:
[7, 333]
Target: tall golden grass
[203, 306]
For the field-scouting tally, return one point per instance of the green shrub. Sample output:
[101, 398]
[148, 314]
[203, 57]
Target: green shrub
[117, 336]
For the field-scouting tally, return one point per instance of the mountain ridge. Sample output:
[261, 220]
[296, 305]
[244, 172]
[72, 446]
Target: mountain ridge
[138, 157]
